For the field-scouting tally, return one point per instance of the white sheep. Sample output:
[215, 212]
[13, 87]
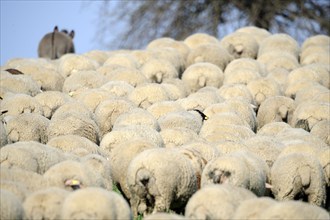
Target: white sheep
[109, 110]
[11, 206]
[118, 88]
[95, 203]
[197, 39]
[30, 155]
[210, 53]
[200, 75]
[71, 63]
[27, 127]
[19, 84]
[137, 116]
[121, 59]
[156, 70]
[121, 134]
[275, 109]
[97, 55]
[240, 44]
[178, 136]
[279, 75]
[230, 91]
[278, 59]
[3, 135]
[45, 203]
[161, 108]
[316, 40]
[73, 143]
[174, 91]
[307, 114]
[298, 176]
[50, 101]
[315, 55]
[154, 184]
[241, 168]
[321, 130]
[120, 158]
[241, 76]
[147, 94]
[313, 93]
[83, 80]
[259, 34]
[245, 63]
[228, 146]
[216, 202]
[19, 189]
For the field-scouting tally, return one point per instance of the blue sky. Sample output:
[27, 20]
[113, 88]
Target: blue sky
[25, 22]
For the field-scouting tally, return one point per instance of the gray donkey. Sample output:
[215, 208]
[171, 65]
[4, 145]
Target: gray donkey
[55, 44]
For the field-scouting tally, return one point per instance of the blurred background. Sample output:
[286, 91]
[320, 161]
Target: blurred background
[128, 24]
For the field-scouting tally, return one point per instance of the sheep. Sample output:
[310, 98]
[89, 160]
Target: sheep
[230, 91]
[216, 202]
[197, 39]
[241, 168]
[312, 93]
[82, 80]
[55, 44]
[27, 127]
[19, 84]
[102, 166]
[95, 203]
[164, 216]
[173, 91]
[72, 175]
[71, 63]
[3, 135]
[153, 185]
[201, 99]
[109, 110]
[275, 109]
[120, 158]
[263, 88]
[259, 34]
[97, 55]
[237, 106]
[161, 108]
[92, 97]
[72, 143]
[146, 94]
[207, 150]
[20, 103]
[50, 101]
[142, 56]
[307, 114]
[19, 189]
[227, 146]
[180, 46]
[112, 139]
[312, 72]
[241, 76]
[252, 208]
[118, 89]
[32, 181]
[74, 107]
[200, 75]
[316, 40]
[137, 116]
[292, 89]
[178, 136]
[121, 59]
[240, 44]
[183, 119]
[315, 55]
[178, 83]
[156, 70]
[298, 176]
[245, 63]
[321, 129]
[210, 53]
[11, 206]
[267, 148]
[73, 123]
[279, 42]
[30, 155]
[48, 78]
[294, 210]
[279, 75]
[45, 203]
[278, 59]
[226, 132]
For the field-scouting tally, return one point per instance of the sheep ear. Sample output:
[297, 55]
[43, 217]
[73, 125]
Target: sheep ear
[305, 175]
[55, 29]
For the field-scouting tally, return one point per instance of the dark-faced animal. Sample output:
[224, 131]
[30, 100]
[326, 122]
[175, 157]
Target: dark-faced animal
[55, 44]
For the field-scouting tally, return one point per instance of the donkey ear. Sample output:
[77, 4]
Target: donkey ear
[305, 175]
[55, 29]
[72, 34]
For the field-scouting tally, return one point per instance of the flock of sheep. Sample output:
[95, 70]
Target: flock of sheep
[204, 128]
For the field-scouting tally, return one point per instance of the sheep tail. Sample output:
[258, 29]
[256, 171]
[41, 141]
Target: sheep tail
[143, 176]
[53, 43]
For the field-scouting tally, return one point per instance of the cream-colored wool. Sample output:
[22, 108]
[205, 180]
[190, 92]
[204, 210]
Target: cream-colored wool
[157, 70]
[259, 34]
[197, 39]
[19, 84]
